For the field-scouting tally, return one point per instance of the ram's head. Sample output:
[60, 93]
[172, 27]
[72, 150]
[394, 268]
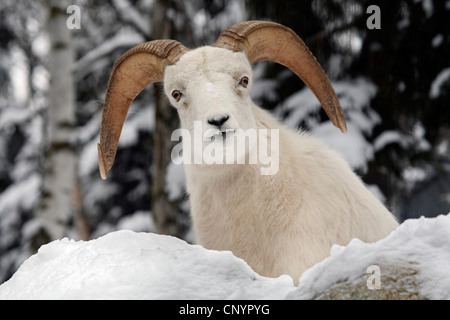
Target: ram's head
[209, 84]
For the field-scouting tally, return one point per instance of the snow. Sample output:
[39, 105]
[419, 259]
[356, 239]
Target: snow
[123, 39]
[138, 119]
[131, 265]
[19, 75]
[406, 17]
[23, 195]
[12, 116]
[352, 146]
[414, 175]
[141, 221]
[206, 28]
[438, 82]
[389, 137]
[355, 96]
[413, 140]
[437, 40]
[130, 14]
[428, 7]
[142, 119]
[89, 158]
[423, 244]
[175, 181]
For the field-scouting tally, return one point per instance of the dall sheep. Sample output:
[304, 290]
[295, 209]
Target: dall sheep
[280, 223]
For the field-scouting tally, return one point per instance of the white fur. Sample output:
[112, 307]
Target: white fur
[279, 224]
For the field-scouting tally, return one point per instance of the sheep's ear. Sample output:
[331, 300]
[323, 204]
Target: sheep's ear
[135, 70]
[262, 40]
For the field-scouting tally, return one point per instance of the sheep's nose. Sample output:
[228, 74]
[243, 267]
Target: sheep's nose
[218, 121]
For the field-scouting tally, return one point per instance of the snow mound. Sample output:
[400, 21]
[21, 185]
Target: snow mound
[130, 265]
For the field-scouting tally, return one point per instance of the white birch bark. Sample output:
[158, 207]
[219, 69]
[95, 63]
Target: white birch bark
[56, 206]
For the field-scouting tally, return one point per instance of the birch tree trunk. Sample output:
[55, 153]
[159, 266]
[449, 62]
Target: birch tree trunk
[56, 206]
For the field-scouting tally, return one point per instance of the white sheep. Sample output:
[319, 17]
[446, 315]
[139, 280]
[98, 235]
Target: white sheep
[279, 223]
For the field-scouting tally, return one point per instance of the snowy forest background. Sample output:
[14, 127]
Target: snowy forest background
[393, 84]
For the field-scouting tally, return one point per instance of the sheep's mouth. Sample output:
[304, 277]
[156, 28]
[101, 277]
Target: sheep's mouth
[223, 135]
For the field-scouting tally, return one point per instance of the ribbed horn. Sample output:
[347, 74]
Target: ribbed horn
[136, 69]
[262, 40]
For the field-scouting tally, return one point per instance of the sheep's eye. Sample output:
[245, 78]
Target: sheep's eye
[177, 95]
[244, 82]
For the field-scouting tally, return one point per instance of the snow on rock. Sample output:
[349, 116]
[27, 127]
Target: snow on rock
[130, 265]
[420, 244]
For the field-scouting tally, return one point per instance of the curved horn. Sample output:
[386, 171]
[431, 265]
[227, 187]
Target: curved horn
[262, 40]
[136, 69]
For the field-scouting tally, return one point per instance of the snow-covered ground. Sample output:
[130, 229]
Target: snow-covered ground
[130, 265]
